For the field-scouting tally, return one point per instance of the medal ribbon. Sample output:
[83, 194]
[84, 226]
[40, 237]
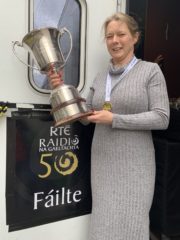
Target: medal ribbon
[108, 80]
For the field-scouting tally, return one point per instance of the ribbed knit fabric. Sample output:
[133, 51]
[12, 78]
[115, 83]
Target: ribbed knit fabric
[123, 161]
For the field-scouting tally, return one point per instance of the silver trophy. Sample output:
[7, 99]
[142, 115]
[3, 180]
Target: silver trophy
[45, 47]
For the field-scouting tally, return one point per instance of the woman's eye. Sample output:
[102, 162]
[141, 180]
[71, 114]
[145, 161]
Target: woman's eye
[109, 36]
[120, 34]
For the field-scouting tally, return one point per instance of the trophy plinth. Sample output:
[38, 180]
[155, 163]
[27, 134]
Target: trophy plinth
[44, 45]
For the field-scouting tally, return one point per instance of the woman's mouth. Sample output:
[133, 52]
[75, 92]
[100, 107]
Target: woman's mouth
[116, 49]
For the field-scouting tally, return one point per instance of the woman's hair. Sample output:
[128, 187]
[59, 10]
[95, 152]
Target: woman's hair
[122, 17]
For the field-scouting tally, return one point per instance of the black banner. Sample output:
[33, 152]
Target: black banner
[48, 172]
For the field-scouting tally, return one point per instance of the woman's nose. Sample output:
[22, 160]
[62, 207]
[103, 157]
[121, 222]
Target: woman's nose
[115, 38]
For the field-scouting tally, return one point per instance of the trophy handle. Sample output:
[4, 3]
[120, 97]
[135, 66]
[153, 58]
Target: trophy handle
[62, 31]
[20, 45]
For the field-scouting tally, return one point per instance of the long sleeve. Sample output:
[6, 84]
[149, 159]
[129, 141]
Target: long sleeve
[157, 116]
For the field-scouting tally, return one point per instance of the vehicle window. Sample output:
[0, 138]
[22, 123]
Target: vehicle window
[59, 14]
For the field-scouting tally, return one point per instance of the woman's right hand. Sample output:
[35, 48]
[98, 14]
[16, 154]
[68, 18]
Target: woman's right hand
[55, 79]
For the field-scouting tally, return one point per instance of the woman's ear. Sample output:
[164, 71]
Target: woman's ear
[136, 37]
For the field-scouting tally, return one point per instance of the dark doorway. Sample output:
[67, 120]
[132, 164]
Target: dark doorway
[159, 24]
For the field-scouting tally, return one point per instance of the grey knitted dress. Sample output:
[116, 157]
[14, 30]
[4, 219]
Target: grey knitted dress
[123, 162]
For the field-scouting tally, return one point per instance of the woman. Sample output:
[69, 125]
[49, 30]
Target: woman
[129, 99]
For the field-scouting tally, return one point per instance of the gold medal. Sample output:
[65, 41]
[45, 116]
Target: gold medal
[107, 106]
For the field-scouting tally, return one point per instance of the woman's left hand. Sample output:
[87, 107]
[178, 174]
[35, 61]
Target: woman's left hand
[103, 116]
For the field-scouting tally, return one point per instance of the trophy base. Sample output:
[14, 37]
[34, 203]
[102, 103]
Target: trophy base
[67, 105]
[71, 119]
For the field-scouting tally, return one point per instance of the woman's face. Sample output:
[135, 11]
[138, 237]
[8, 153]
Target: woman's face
[120, 42]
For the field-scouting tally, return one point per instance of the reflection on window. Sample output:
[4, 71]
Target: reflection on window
[59, 14]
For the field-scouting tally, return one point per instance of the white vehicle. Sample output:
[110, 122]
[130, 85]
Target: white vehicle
[45, 170]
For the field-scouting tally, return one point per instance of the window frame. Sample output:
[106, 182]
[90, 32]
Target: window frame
[83, 27]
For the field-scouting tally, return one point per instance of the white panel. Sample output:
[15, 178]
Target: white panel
[97, 56]
[13, 81]
[14, 25]
[3, 227]
[16, 88]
